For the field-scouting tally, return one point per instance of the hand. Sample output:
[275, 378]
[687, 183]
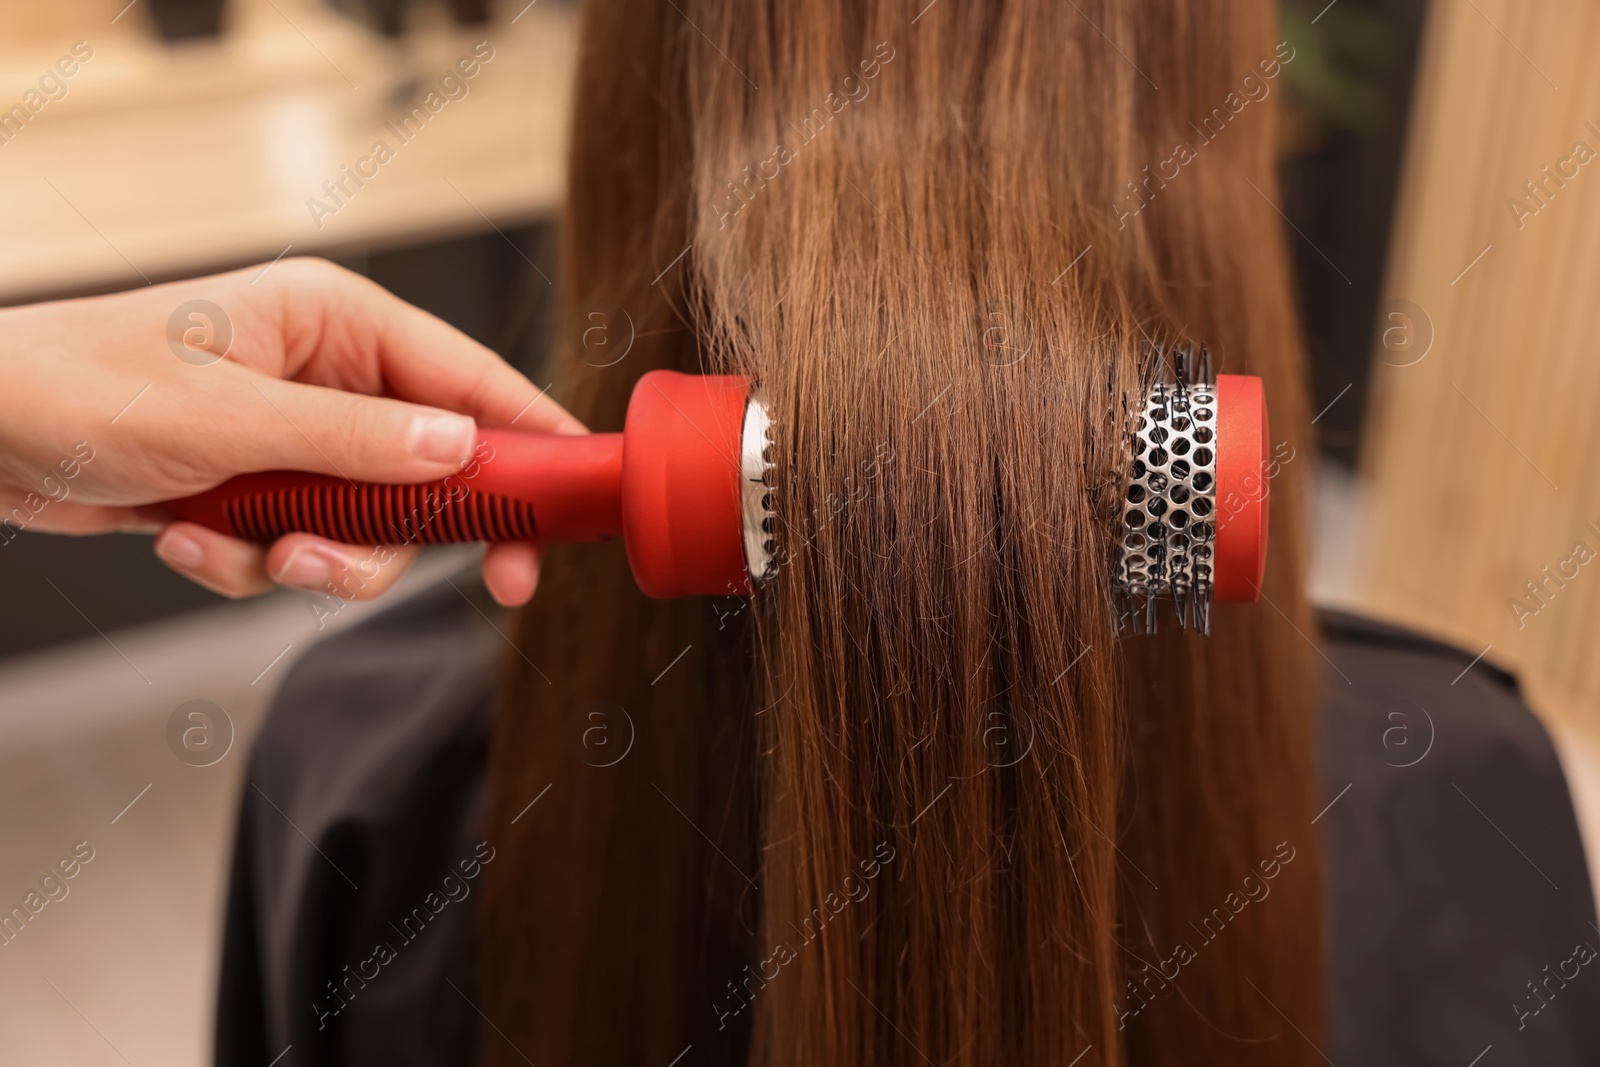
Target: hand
[110, 404]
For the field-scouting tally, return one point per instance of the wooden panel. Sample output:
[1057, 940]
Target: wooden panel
[1483, 456]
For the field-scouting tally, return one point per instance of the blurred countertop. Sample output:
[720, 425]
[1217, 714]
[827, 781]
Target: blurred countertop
[163, 160]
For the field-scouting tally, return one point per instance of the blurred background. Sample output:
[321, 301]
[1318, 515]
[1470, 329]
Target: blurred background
[190, 142]
[1450, 334]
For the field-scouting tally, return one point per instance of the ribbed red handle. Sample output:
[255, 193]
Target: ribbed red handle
[261, 508]
[517, 487]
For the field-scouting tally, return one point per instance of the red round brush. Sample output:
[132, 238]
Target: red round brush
[685, 485]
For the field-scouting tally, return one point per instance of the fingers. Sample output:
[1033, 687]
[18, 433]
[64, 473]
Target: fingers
[511, 572]
[350, 572]
[71, 517]
[222, 564]
[357, 384]
[288, 425]
[343, 379]
[237, 568]
[340, 329]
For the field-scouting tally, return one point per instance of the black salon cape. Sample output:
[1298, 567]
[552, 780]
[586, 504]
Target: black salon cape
[1455, 871]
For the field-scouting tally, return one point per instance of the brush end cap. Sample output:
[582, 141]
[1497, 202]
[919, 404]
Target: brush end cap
[1241, 501]
[681, 518]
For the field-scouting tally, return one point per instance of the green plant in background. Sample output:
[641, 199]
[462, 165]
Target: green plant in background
[1342, 53]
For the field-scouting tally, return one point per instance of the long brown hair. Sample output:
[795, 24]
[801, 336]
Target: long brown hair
[916, 801]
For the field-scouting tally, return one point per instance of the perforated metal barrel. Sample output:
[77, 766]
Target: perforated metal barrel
[1193, 527]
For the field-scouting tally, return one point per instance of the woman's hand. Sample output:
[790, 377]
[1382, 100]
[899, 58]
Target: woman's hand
[110, 404]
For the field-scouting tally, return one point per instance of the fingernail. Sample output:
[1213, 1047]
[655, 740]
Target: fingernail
[442, 438]
[304, 569]
[180, 551]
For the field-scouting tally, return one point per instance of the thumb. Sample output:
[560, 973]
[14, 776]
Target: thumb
[301, 427]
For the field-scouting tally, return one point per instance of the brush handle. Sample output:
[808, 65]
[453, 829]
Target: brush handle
[679, 509]
[517, 487]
